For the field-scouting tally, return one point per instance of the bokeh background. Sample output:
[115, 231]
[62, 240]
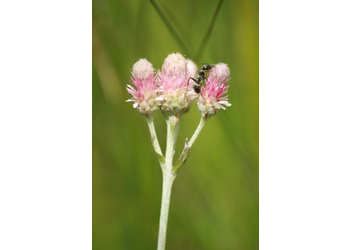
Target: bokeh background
[215, 198]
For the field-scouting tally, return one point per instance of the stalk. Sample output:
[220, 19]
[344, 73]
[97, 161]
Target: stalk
[154, 140]
[201, 124]
[168, 179]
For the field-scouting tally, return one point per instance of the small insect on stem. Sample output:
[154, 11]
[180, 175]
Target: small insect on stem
[200, 77]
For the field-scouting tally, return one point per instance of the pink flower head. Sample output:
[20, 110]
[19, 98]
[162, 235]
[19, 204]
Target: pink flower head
[191, 68]
[145, 94]
[212, 97]
[175, 93]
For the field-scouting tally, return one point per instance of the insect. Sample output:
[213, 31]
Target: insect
[200, 77]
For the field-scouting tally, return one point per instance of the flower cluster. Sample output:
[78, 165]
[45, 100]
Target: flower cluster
[171, 89]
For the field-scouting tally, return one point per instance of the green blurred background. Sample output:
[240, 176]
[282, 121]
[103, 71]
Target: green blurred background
[215, 198]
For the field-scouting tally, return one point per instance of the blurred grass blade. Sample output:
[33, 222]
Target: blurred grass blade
[171, 29]
[207, 35]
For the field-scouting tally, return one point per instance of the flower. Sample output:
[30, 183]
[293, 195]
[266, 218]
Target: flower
[212, 97]
[175, 93]
[145, 94]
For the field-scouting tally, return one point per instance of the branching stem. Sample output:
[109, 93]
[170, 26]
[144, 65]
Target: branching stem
[170, 171]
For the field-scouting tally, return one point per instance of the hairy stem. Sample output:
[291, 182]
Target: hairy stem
[201, 124]
[172, 123]
[168, 179]
[154, 140]
[183, 158]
